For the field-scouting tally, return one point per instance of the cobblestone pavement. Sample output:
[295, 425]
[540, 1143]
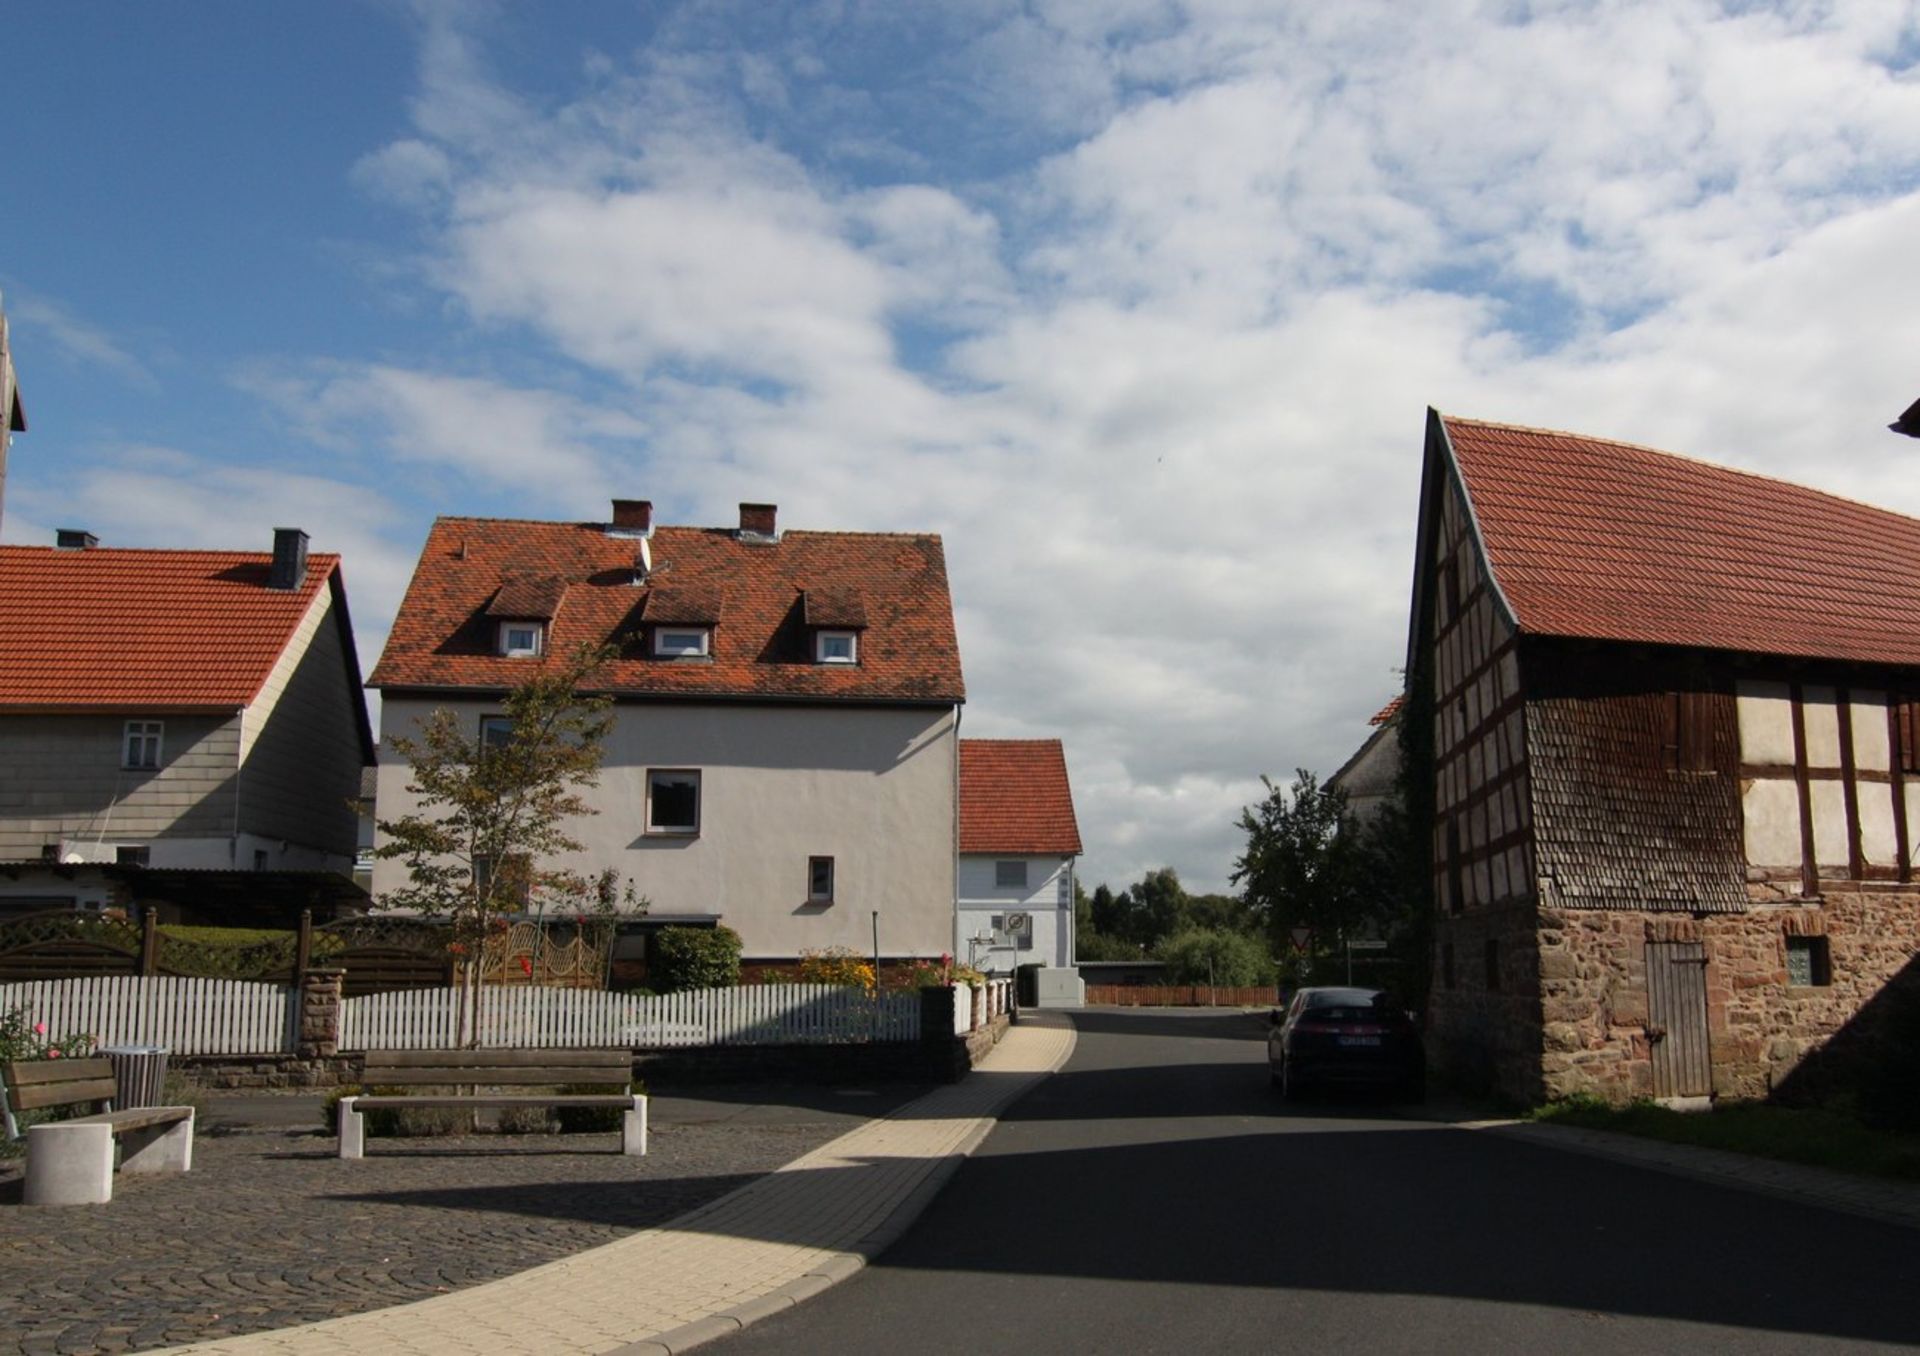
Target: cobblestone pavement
[271, 1228]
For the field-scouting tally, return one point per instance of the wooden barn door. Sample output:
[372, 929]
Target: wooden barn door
[1677, 1012]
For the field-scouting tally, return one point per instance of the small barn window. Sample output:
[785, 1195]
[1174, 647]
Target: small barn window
[1906, 725]
[1809, 963]
[1688, 736]
[1010, 875]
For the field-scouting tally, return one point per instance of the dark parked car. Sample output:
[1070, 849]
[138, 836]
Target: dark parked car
[1343, 1037]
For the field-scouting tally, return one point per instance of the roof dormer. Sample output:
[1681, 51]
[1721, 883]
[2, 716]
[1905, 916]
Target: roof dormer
[834, 619]
[524, 608]
[680, 621]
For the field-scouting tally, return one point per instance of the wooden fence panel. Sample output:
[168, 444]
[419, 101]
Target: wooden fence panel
[187, 1016]
[1180, 996]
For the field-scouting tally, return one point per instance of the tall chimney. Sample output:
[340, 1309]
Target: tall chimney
[633, 517]
[289, 570]
[757, 520]
[74, 539]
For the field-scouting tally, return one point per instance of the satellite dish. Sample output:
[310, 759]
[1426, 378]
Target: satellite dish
[643, 561]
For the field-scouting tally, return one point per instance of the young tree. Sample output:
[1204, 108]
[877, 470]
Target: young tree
[492, 809]
[1303, 867]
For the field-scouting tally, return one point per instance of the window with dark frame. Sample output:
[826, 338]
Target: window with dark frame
[1010, 875]
[820, 880]
[128, 854]
[673, 801]
[496, 732]
[1688, 737]
[1809, 963]
[140, 747]
[1906, 728]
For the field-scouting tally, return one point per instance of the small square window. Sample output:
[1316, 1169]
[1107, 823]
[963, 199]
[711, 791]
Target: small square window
[127, 854]
[820, 880]
[520, 640]
[683, 642]
[673, 802]
[1010, 875]
[141, 745]
[496, 732]
[1809, 963]
[259, 859]
[836, 647]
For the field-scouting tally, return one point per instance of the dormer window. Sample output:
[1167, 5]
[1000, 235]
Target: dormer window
[521, 639]
[836, 647]
[683, 642]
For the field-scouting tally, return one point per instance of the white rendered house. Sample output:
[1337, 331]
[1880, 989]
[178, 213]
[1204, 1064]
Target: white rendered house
[1018, 841]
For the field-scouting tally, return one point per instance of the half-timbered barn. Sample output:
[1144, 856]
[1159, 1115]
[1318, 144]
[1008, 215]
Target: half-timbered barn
[1677, 783]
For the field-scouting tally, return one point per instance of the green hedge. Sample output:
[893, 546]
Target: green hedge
[693, 958]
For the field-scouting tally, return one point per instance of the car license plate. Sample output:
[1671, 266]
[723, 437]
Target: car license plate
[1359, 1040]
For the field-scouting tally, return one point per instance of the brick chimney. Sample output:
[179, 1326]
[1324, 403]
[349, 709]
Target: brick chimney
[757, 520]
[633, 517]
[74, 539]
[289, 569]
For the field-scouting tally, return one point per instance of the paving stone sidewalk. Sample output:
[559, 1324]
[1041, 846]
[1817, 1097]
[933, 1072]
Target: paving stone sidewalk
[271, 1228]
[753, 1252]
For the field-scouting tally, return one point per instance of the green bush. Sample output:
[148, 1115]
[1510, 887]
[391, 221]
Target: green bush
[1231, 960]
[1095, 946]
[693, 958]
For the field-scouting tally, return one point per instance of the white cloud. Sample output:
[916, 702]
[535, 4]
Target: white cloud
[34, 318]
[1162, 388]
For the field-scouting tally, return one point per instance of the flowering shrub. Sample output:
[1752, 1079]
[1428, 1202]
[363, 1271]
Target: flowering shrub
[836, 965]
[21, 1041]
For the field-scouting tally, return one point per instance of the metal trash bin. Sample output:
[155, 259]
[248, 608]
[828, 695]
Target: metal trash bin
[140, 1071]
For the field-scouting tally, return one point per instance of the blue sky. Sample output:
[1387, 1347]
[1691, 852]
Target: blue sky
[1139, 303]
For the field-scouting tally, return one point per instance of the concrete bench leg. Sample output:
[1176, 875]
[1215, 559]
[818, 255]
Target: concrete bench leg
[633, 1128]
[69, 1164]
[353, 1129]
[159, 1148]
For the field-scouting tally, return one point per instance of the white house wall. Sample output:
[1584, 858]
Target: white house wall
[873, 788]
[1047, 896]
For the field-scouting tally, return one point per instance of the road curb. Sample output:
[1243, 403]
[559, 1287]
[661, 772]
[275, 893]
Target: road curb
[842, 1266]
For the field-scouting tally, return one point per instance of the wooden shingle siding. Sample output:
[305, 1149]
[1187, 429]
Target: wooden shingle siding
[60, 774]
[301, 768]
[1621, 826]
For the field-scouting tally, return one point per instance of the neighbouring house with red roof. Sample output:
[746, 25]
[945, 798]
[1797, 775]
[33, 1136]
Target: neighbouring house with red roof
[784, 754]
[1677, 768]
[174, 712]
[1018, 840]
[1372, 775]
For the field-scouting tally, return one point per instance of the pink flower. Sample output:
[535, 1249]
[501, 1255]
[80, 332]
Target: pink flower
[39, 1028]
[53, 1052]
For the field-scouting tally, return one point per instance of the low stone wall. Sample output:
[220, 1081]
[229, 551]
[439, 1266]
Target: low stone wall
[928, 1061]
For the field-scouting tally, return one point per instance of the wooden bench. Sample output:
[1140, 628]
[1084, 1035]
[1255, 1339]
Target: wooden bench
[71, 1162]
[493, 1069]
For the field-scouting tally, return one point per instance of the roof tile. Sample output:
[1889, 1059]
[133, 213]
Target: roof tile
[112, 629]
[1015, 797]
[1604, 540]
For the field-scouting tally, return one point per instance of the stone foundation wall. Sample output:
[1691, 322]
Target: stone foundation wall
[1484, 1037]
[1760, 1029]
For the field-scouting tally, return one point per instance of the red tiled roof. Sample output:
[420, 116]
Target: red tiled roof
[754, 591]
[1387, 712]
[1014, 797]
[110, 628]
[1609, 541]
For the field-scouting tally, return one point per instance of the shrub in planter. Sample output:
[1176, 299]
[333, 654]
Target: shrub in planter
[694, 958]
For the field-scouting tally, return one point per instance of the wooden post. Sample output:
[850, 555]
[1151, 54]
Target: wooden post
[149, 942]
[303, 947]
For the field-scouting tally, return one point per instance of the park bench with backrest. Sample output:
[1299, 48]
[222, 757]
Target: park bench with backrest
[70, 1162]
[473, 1078]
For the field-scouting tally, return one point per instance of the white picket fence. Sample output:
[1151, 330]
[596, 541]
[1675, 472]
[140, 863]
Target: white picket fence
[531, 1017]
[187, 1016]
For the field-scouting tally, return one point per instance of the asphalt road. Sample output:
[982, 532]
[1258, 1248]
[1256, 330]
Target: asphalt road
[1156, 1196]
